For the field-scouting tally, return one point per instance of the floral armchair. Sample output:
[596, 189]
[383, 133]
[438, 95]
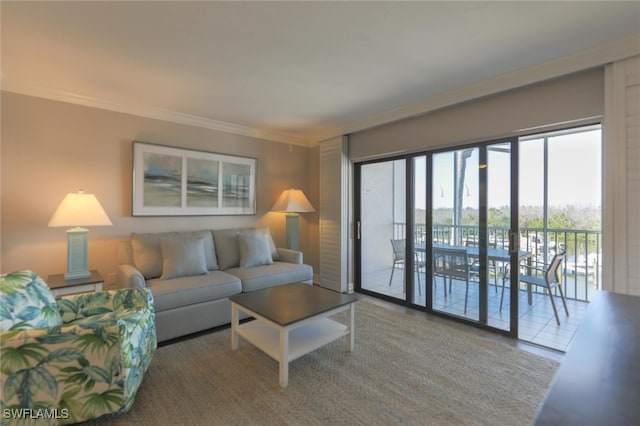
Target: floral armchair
[71, 359]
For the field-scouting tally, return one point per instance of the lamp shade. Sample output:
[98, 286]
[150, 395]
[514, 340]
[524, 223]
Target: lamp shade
[293, 201]
[79, 209]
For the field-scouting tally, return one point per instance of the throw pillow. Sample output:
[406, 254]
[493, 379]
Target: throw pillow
[226, 242]
[147, 254]
[254, 249]
[209, 248]
[272, 246]
[26, 302]
[182, 258]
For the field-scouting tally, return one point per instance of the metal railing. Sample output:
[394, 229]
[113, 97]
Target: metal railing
[582, 269]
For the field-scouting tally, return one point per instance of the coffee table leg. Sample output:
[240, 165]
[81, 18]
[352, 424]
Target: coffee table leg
[351, 327]
[284, 357]
[234, 325]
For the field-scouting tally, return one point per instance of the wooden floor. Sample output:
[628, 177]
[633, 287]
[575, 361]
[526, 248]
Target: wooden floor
[537, 324]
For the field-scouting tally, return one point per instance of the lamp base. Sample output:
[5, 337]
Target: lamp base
[76, 275]
[77, 254]
[292, 231]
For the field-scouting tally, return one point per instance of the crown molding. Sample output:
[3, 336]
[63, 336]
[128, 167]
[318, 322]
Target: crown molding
[617, 50]
[620, 49]
[149, 112]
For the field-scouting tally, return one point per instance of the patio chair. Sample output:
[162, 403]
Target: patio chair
[550, 279]
[452, 263]
[399, 261]
[475, 267]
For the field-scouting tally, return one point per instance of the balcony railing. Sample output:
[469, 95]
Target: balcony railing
[581, 271]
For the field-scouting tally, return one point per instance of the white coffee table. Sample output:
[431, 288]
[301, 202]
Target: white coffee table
[291, 321]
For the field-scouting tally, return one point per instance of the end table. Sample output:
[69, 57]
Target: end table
[59, 287]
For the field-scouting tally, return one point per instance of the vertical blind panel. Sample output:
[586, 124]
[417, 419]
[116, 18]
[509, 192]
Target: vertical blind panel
[632, 136]
[333, 214]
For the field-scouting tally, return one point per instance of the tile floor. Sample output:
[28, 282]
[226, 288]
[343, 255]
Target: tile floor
[536, 322]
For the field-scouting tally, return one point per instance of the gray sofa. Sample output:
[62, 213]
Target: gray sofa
[192, 273]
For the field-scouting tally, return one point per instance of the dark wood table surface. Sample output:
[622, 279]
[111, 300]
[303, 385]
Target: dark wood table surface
[290, 303]
[58, 281]
[598, 382]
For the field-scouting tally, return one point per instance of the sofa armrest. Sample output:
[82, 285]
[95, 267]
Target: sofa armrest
[128, 276]
[290, 256]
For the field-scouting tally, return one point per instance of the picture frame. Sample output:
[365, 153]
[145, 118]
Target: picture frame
[171, 181]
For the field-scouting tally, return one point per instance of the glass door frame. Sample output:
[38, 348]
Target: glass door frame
[357, 220]
[483, 240]
[482, 321]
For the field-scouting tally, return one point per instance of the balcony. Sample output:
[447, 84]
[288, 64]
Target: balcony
[580, 275]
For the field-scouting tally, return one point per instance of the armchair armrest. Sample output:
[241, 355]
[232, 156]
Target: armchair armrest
[290, 256]
[73, 307]
[129, 276]
[135, 327]
[87, 368]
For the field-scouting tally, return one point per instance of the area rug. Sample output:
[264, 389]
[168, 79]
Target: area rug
[404, 370]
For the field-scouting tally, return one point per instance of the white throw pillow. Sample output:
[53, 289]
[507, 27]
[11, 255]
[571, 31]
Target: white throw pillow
[183, 258]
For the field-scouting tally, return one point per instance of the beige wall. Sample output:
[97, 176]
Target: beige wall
[50, 148]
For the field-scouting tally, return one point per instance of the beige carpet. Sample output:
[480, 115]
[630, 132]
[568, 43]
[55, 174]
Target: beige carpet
[404, 370]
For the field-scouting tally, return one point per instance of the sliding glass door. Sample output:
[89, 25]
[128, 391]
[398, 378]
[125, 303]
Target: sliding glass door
[381, 228]
[502, 250]
[421, 207]
[560, 215]
[460, 220]
[471, 211]
[445, 216]
[456, 230]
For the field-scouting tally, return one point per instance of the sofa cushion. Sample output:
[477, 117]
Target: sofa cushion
[185, 291]
[182, 257]
[266, 276]
[254, 249]
[26, 302]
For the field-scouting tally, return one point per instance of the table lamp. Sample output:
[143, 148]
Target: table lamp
[78, 210]
[292, 201]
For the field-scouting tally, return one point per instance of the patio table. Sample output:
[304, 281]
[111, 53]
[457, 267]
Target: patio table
[493, 253]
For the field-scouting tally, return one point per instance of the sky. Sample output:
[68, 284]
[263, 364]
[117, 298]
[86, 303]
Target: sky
[574, 174]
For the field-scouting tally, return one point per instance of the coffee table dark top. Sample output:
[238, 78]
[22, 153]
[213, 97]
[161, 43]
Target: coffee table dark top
[290, 303]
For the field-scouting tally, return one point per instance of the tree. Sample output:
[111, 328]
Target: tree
[562, 220]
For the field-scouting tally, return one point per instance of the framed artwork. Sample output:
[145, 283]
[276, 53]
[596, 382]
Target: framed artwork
[170, 181]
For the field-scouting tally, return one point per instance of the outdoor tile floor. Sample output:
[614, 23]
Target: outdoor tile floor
[537, 323]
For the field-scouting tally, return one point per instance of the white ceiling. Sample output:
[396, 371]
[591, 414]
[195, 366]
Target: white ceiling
[293, 71]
